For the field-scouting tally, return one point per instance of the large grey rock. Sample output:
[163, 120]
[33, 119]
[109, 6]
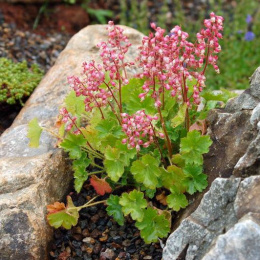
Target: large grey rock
[241, 242]
[214, 215]
[30, 178]
[225, 226]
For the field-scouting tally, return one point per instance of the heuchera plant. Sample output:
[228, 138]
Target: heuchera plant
[144, 134]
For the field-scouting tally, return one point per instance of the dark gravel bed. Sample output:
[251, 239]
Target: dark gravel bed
[21, 45]
[98, 236]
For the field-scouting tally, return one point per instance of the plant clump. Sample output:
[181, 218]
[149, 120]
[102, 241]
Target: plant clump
[145, 136]
[17, 81]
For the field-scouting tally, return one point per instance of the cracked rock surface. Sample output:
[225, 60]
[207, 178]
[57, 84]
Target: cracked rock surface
[226, 224]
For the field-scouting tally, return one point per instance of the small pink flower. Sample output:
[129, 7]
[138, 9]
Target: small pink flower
[138, 129]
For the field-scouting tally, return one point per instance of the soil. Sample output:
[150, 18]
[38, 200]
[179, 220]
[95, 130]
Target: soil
[97, 236]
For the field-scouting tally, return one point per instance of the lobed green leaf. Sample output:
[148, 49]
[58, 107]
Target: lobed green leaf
[72, 144]
[173, 177]
[133, 203]
[180, 117]
[34, 133]
[80, 174]
[146, 171]
[66, 218]
[115, 209]
[176, 201]
[153, 226]
[196, 180]
[193, 146]
[75, 105]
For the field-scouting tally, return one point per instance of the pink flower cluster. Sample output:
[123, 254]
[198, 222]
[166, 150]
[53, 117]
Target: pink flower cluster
[139, 129]
[89, 87]
[113, 53]
[68, 120]
[171, 60]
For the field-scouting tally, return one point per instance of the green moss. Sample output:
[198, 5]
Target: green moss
[17, 80]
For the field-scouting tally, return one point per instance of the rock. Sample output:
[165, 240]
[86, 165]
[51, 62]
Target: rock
[31, 178]
[247, 199]
[241, 242]
[235, 135]
[214, 214]
[226, 224]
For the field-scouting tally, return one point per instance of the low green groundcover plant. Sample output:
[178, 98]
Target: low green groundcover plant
[144, 134]
[17, 81]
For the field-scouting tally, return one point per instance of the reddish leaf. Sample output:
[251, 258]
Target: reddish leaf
[63, 255]
[162, 198]
[55, 207]
[200, 126]
[100, 185]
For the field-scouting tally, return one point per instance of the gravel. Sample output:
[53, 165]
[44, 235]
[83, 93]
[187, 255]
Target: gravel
[98, 236]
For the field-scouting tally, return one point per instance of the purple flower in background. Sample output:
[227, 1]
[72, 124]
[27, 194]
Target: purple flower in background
[249, 36]
[249, 19]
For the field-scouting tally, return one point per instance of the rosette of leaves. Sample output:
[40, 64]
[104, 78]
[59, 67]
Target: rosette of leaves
[151, 179]
[17, 80]
[132, 179]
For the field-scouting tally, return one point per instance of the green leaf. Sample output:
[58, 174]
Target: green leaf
[80, 174]
[148, 192]
[169, 108]
[34, 133]
[104, 128]
[196, 181]
[107, 127]
[178, 160]
[132, 102]
[72, 144]
[133, 203]
[173, 177]
[75, 105]
[116, 159]
[146, 171]
[177, 201]
[66, 218]
[180, 117]
[153, 226]
[62, 219]
[220, 95]
[193, 146]
[125, 154]
[114, 169]
[115, 209]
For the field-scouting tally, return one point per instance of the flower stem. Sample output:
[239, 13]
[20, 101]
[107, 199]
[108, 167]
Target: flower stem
[89, 204]
[168, 142]
[157, 144]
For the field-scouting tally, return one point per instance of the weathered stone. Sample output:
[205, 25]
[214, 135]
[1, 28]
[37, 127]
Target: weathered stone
[226, 224]
[235, 134]
[241, 242]
[31, 178]
[231, 135]
[214, 215]
[248, 195]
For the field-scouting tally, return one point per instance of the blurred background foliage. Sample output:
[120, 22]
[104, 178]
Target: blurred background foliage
[240, 54]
